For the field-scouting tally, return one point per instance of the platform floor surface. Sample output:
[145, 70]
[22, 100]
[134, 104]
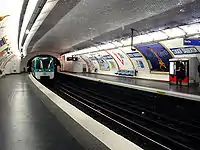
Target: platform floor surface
[192, 89]
[25, 122]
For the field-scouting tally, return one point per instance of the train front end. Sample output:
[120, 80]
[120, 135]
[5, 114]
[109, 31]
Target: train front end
[43, 67]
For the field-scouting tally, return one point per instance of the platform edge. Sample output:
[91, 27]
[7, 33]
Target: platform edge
[87, 131]
[146, 89]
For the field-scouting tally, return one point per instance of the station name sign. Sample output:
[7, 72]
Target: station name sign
[134, 55]
[72, 58]
[107, 57]
[184, 50]
[194, 42]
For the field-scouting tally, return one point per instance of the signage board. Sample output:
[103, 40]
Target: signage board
[72, 58]
[107, 57]
[195, 42]
[134, 55]
[184, 50]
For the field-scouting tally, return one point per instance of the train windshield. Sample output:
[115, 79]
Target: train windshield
[44, 63]
[50, 64]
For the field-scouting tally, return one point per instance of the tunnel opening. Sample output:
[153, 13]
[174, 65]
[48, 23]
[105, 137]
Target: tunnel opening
[57, 63]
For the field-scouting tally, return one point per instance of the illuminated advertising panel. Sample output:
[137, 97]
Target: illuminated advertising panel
[103, 64]
[157, 56]
[122, 59]
[1, 43]
[102, 60]
[89, 63]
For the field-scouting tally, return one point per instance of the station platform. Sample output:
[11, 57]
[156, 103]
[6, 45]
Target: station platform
[25, 122]
[191, 92]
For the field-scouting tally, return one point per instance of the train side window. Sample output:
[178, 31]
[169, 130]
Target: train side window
[46, 63]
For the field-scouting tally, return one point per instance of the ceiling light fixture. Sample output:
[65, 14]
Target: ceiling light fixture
[191, 30]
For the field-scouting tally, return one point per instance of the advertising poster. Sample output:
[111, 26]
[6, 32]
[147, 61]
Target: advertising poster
[103, 64]
[89, 63]
[103, 61]
[110, 60]
[3, 52]
[92, 58]
[157, 56]
[1, 43]
[140, 64]
[136, 58]
[122, 59]
[112, 64]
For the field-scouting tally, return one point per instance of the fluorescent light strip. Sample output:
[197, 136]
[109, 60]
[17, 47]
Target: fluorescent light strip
[29, 11]
[44, 13]
[117, 43]
[174, 32]
[181, 31]
[191, 29]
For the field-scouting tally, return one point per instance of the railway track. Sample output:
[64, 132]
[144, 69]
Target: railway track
[145, 128]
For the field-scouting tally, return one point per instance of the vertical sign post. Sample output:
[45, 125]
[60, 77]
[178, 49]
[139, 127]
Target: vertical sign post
[132, 30]
[132, 39]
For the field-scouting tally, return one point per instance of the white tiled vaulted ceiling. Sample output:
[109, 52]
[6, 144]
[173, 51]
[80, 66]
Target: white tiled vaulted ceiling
[89, 19]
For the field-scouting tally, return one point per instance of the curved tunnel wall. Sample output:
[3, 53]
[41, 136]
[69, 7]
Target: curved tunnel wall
[57, 62]
[28, 57]
[123, 58]
[9, 64]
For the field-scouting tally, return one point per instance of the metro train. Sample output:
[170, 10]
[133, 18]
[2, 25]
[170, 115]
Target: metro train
[43, 67]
